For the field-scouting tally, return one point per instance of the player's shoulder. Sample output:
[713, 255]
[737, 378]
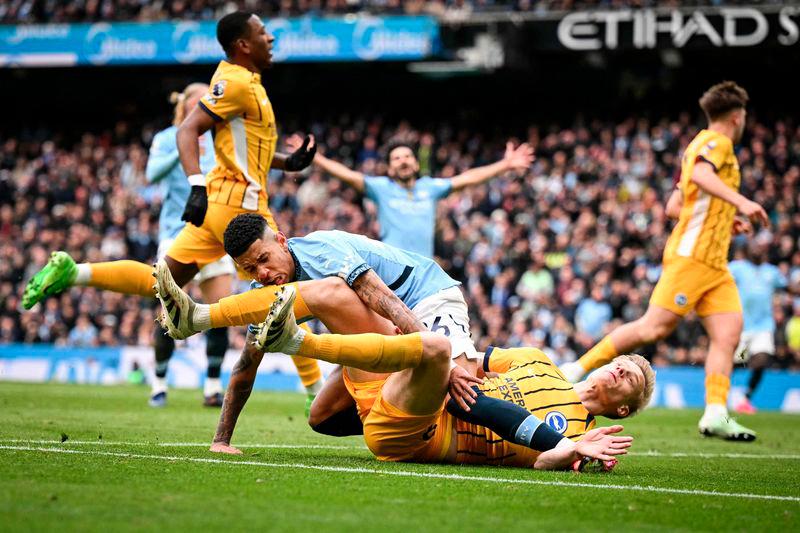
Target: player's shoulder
[165, 136]
[229, 79]
[714, 140]
[232, 72]
[377, 180]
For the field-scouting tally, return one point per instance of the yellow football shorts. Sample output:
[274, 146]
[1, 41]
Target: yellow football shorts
[686, 284]
[204, 245]
[393, 435]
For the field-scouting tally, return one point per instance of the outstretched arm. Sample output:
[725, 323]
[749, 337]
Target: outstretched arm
[303, 150]
[340, 172]
[600, 443]
[239, 389]
[334, 168]
[517, 159]
[380, 298]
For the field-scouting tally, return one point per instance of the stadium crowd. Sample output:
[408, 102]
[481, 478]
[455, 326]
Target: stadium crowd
[61, 11]
[555, 258]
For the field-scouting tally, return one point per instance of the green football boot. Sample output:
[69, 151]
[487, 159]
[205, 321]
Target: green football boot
[726, 428]
[57, 276]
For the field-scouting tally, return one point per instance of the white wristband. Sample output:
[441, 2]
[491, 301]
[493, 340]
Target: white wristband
[197, 179]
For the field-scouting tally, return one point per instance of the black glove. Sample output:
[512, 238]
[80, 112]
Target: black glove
[196, 206]
[300, 158]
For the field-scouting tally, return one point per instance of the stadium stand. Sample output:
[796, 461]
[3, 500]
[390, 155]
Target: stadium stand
[556, 258]
[61, 11]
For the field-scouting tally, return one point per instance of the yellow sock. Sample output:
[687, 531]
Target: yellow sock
[307, 369]
[126, 277]
[717, 387]
[366, 351]
[602, 352]
[251, 307]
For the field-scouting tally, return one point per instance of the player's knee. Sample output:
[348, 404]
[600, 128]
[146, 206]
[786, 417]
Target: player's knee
[651, 330]
[331, 292]
[435, 348]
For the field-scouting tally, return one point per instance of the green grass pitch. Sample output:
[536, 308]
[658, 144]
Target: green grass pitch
[125, 466]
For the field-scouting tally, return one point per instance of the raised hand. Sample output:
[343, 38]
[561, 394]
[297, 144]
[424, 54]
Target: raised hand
[519, 158]
[303, 155]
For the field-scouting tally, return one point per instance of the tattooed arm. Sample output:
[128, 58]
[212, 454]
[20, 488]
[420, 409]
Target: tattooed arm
[239, 388]
[380, 298]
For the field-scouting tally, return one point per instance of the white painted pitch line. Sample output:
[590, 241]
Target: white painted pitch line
[717, 455]
[334, 447]
[405, 473]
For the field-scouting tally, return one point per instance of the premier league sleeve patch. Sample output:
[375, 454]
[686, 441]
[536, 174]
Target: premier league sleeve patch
[218, 89]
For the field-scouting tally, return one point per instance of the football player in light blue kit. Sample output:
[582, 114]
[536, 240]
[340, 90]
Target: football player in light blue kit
[215, 279]
[407, 202]
[411, 291]
[757, 281]
[433, 297]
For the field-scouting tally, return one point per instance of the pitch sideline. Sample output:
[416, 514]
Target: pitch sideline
[429, 475]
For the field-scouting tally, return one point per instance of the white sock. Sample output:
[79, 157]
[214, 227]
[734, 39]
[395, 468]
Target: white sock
[212, 386]
[201, 318]
[84, 274]
[159, 385]
[716, 410]
[315, 387]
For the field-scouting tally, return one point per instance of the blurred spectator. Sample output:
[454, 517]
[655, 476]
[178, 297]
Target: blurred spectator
[84, 334]
[592, 315]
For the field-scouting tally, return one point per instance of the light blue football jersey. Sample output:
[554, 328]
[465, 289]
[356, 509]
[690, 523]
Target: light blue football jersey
[757, 284]
[407, 216]
[163, 165]
[410, 276]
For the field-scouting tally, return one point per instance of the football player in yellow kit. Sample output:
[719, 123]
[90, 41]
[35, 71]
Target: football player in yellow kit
[695, 274]
[238, 110]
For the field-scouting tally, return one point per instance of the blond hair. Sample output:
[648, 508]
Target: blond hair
[179, 99]
[643, 399]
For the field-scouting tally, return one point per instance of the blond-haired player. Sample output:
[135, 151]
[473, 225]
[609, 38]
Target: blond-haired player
[526, 414]
[695, 274]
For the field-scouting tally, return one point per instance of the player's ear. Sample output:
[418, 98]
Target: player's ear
[281, 238]
[623, 411]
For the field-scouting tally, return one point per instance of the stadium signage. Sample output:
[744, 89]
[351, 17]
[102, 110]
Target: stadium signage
[648, 28]
[304, 39]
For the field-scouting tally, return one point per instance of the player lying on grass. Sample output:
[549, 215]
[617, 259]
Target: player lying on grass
[532, 381]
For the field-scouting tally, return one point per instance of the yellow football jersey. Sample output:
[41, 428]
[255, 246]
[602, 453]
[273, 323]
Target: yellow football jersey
[530, 379]
[704, 228]
[245, 136]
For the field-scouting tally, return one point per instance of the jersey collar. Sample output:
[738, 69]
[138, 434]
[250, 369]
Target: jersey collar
[299, 273]
[254, 76]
